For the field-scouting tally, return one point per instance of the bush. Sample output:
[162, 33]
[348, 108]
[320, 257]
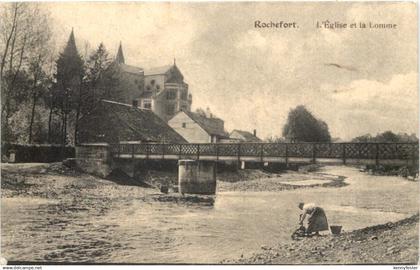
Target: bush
[403, 171]
[37, 153]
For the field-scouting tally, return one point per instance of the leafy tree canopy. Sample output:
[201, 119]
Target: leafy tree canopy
[302, 126]
[387, 136]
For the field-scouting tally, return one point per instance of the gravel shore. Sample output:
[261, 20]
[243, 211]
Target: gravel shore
[255, 180]
[390, 243]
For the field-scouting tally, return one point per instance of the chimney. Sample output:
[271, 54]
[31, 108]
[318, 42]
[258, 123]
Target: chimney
[255, 132]
[135, 103]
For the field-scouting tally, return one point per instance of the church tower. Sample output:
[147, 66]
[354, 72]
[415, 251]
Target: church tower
[130, 79]
[69, 65]
[120, 56]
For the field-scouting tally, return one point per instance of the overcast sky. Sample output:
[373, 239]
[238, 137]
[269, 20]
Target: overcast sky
[357, 80]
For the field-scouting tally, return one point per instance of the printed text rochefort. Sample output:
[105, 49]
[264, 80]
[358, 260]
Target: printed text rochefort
[279, 24]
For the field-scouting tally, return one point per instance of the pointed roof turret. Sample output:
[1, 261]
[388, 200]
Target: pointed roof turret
[71, 38]
[120, 56]
[69, 63]
[70, 48]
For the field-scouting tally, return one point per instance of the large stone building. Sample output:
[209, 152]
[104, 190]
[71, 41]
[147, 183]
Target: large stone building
[161, 90]
[130, 79]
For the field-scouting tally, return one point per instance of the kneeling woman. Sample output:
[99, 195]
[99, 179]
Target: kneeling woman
[315, 216]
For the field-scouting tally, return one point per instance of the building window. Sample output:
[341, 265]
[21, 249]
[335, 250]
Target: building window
[170, 109]
[157, 86]
[171, 94]
[184, 125]
[148, 88]
[152, 82]
[184, 94]
[147, 104]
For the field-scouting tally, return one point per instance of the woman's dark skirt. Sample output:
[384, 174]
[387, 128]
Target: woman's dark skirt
[317, 221]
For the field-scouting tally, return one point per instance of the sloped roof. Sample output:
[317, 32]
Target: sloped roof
[210, 125]
[248, 136]
[130, 69]
[157, 70]
[147, 125]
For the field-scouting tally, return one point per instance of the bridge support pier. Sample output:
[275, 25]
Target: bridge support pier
[94, 158]
[197, 177]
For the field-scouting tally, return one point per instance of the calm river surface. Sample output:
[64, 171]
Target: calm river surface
[238, 222]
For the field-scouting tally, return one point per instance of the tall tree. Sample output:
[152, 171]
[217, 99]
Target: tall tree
[40, 83]
[24, 30]
[69, 78]
[99, 76]
[40, 70]
[302, 126]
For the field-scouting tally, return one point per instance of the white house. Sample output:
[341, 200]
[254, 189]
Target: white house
[244, 136]
[197, 128]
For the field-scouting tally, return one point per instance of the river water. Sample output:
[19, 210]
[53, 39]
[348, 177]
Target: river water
[238, 223]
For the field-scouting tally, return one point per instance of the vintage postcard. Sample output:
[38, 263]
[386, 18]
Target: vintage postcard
[209, 133]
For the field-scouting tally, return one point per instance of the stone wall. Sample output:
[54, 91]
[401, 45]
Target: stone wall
[94, 159]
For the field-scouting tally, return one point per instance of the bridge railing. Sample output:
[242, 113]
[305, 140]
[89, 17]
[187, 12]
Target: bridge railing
[400, 151]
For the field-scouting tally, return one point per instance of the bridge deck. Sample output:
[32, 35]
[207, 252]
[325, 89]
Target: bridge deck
[327, 153]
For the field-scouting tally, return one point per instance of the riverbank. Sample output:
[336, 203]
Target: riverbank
[390, 243]
[55, 180]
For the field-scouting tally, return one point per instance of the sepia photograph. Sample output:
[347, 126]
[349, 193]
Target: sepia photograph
[209, 133]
